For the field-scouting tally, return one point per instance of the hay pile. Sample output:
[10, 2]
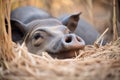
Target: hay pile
[92, 64]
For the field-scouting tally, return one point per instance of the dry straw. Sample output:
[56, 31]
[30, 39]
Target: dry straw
[115, 36]
[16, 63]
[5, 39]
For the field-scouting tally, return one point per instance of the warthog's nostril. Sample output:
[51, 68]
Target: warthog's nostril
[68, 39]
[78, 39]
[72, 42]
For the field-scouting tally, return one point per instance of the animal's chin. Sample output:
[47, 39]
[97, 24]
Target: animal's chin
[65, 54]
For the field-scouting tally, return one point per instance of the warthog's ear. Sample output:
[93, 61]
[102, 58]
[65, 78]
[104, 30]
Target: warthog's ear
[71, 21]
[18, 30]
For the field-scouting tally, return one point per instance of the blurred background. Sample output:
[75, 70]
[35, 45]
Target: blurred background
[99, 13]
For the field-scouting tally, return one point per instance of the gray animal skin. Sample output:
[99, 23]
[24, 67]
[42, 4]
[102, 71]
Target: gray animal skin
[87, 32]
[44, 33]
[27, 14]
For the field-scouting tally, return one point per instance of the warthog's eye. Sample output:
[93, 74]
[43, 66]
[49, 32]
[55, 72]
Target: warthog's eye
[37, 36]
[37, 39]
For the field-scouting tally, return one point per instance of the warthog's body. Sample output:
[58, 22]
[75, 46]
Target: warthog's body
[44, 33]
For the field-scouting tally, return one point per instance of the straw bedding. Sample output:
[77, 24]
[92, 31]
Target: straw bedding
[91, 64]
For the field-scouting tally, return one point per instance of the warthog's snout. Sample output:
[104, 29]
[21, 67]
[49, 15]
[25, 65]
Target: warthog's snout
[68, 46]
[71, 42]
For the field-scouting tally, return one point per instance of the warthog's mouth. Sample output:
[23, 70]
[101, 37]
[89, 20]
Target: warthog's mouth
[65, 54]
